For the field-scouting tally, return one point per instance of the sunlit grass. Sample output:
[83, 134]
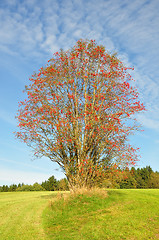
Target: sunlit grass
[123, 214]
[20, 215]
[116, 214]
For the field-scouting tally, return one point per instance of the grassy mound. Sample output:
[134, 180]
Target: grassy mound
[118, 214]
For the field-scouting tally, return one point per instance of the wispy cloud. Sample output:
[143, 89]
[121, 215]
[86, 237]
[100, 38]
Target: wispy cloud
[148, 122]
[23, 164]
[36, 29]
[32, 173]
[15, 176]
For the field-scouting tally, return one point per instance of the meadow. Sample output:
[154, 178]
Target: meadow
[20, 215]
[118, 214]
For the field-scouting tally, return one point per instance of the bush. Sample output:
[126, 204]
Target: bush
[63, 185]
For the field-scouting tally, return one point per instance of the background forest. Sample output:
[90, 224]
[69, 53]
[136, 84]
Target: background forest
[134, 178]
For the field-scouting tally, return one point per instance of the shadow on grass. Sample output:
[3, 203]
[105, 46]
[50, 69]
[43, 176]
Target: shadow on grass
[55, 194]
[114, 193]
[49, 196]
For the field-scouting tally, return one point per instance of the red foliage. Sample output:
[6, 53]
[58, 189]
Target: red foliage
[79, 107]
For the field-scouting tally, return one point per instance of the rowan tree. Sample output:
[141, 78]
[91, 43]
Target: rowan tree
[79, 112]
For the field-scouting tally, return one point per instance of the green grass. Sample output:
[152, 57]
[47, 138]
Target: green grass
[20, 215]
[124, 214]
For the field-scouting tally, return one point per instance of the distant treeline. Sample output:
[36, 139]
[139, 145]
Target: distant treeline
[131, 178]
[50, 185]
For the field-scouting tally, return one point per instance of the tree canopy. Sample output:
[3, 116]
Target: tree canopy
[79, 112]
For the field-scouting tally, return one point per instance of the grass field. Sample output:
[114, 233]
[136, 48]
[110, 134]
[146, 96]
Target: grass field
[20, 215]
[123, 214]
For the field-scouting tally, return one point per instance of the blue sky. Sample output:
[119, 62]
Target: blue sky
[32, 30]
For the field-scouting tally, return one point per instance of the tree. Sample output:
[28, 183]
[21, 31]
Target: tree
[34, 187]
[51, 184]
[37, 187]
[79, 113]
[128, 181]
[12, 188]
[154, 180]
[25, 187]
[142, 176]
[5, 188]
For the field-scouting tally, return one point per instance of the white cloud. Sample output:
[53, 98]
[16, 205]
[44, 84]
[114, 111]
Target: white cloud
[37, 29]
[148, 122]
[77, 19]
